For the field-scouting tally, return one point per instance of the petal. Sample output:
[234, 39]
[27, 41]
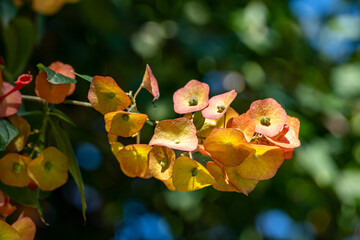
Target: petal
[189, 175]
[244, 123]
[288, 141]
[150, 83]
[124, 124]
[217, 174]
[227, 146]
[47, 7]
[11, 104]
[243, 185]
[194, 96]
[169, 184]
[19, 142]
[210, 124]
[13, 170]
[25, 227]
[53, 93]
[66, 70]
[177, 133]
[8, 232]
[50, 169]
[293, 123]
[133, 160]
[106, 96]
[268, 115]
[263, 164]
[218, 105]
[161, 162]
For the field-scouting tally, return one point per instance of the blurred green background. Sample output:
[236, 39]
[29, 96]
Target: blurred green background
[303, 53]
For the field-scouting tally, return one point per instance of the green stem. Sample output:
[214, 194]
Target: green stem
[40, 144]
[72, 102]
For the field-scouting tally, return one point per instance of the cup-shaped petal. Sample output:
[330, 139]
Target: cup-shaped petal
[11, 104]
[268, 115]
[262, 164]
[25, 227]
[161, 162]
[106, 96]
[19, 142]
[13, 170]
[8, 232]
[133, 160]
[218, 105]
[243, 185]
[150, 83]
[5, 207]
[50, 169]
[189, 175]
[124, 124]
[177, 133]
[228, 146]
[194, 96]
[244, 123]
[217, 174]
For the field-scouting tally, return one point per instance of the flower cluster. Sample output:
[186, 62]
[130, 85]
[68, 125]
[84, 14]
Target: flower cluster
[241, 149]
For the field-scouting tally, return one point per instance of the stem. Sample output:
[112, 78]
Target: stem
[40, 144]
[72, 102]
[190, 155]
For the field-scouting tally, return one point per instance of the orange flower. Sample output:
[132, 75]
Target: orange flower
[50, 169]
[177, 133]
[194, 96]
[161, 162]
[106, 96]
[133, 160]
[261, 164]
[55, 93]
[268, 115]
[218, 105]
[19, 142]
[124, 124]
[189, 175]
[13, 170]
[150, 83]
[228, 146]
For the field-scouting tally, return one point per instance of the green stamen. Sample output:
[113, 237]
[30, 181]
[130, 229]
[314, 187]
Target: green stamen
[110, 95]
[164, 162]
[221, 108]
[48, 166]
[265, 121]
[193, 101]
[194, 172]
[17, 167]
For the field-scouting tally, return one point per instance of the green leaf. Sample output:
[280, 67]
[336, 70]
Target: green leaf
[63, 143]
[7, 133]
[7, 11]
[22, 195]
[53, 77]
[198, 120]
[59, 114]
[19, 40]
[85, 77]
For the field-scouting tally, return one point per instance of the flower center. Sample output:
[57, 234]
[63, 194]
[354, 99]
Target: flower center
[17, 167]
[164, 162]
[110, 95]
[221, 108]
[177, 141]
[48, 166]
[194, 172]
[265, 121]
[193, 101]
[125, 117]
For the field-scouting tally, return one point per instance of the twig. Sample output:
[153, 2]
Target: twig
[72, 102]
